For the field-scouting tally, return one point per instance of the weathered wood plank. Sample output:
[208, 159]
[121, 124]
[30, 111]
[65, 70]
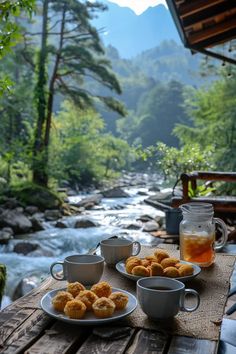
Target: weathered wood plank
[27, 333]
[148, 342]
[96, 345]
[57, 340]
[187, 345]
[9, 327]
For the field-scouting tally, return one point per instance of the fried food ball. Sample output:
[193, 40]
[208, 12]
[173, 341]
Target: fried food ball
[156, 269]
[151, 258]
[131, 264]
[171, 272]
[131, 258]
[59, 301]
[141, 271]
[102, 289]
[75, 288]
[185, 269]
[145, 262]
[160, 255]
[120, 299]
[178, 265]
[87, 297]
[103, 307]
[75, 309]
[169, 262]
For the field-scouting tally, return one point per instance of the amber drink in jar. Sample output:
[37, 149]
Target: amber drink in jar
[197, 234]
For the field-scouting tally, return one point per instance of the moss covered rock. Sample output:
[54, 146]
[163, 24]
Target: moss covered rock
[32, 194]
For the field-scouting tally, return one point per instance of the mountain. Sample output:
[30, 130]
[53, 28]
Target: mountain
[131, 34]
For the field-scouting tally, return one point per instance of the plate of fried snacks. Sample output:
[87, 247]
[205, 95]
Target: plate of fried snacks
[157, 264]
[98, 304]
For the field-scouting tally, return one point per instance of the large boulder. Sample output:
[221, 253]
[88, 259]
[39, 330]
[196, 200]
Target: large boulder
[85, 223]
[25, 247]
[115, 192]
[6, 234]
[32, 194]
[89, 201]
[19, 223]
[52, 215]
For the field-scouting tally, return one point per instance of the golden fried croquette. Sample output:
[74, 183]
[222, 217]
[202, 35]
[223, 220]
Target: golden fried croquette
[151, 258]
[185, 269]
[75, 309]
[75, 288]
[171, 272]
[59, 301]
[160, 255]
[131, 258]
[102, 289]
[156, 269]
[169, 262]
[145, 262]
[87, 297]
[141, 271]
[131, 264]
[178, 265]
[103, 307]
[120, 300]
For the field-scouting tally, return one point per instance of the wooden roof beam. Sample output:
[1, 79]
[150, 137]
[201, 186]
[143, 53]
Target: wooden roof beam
[194, 6]
[195, 38]
[205, 16]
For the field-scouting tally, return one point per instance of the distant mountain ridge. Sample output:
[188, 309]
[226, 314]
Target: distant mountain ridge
[131, 34]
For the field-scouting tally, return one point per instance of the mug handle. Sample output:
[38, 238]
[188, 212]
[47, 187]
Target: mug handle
[190, 309]
[54, 274]
[138, 245]
[221, 244]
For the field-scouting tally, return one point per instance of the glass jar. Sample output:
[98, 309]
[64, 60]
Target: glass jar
[197, 234]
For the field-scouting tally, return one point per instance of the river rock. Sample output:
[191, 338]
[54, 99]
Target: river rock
[6, 234]
[115, 192]
[151, 226]
[37, 224]
[84, 223]
[93, 199]
[24, 287]
[19, 223]
[134, 226]
[12, 203]
[31, 209]
[52, 214]
[25, 247]
[145, 218]
[61, 224]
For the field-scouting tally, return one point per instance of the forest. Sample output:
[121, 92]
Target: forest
[73, 110]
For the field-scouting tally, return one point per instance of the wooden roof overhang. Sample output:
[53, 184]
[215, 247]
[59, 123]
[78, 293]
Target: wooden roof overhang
[205, 24]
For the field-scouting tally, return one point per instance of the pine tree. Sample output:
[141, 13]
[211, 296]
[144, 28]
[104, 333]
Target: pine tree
[70, 51]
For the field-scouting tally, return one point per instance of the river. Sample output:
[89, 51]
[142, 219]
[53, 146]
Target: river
[114, 216]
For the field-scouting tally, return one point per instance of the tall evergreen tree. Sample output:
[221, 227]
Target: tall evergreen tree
[70, 51]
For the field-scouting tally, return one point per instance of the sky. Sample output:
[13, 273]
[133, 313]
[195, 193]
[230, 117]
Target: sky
[139, 6]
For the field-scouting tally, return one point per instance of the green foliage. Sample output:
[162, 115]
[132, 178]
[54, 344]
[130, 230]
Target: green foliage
[154, 108]
[80, 152]
[9, 31]
[200, 191]
[212, 113]
[172, 161]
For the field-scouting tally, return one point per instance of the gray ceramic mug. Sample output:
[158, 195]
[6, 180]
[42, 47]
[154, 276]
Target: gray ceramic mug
[161, 297]
[86, 269]
[116, 249]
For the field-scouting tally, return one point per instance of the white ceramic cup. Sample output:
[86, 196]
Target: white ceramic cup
[162, 298]
[86, 269]
[114, 250]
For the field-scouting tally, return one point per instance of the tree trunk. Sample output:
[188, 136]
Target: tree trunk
[39, 167]
[52, 91]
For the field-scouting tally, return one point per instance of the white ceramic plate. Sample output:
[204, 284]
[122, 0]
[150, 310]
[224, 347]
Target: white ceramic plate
[89, 319]
[120, 266]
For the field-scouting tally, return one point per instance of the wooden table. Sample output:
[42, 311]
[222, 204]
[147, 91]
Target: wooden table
[25, 328]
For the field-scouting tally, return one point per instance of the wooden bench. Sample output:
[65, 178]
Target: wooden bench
[222, 204]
